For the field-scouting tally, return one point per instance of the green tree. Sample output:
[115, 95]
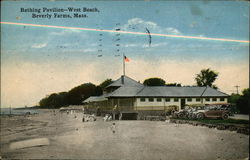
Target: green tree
[206, 78]
[74, 97]
[154, 82]
[54, 100]
[233, 98]
[61, 99]
[43, 102]
[98, 91]
[77, 94]
[174, 84]
[106, 83]
[243, 103]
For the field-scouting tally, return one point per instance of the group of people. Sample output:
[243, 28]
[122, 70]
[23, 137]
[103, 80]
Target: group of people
[88, 118]
[107, 117]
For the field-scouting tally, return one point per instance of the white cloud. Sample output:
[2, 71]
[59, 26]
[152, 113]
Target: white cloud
[140, 25]
[132, 45]
[173, 30]
[57, 33]
[65, 32]
[93, 44]
[41, 45]
[193, 24]
[155, 45]
[145, 45]
[88, 50]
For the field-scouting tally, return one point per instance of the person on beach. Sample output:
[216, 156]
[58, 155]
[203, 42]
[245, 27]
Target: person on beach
[105, 118]
[113, 127]
[109, 118]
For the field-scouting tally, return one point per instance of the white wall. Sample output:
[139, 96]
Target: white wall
[149, 105]
[154, 105]
[212, 102]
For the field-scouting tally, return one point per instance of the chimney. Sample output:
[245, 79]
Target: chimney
[122, 78]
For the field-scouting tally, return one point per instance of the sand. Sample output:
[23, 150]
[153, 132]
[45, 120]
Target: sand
[70, 138]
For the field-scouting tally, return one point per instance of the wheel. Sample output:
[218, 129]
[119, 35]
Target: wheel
[174, 115]
[194, 116]
[185, 116]
[200, 116]
[225, 116]
[190, 116]
[181, 115]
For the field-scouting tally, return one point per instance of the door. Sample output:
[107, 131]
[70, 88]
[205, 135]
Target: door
[212, 111]
[183, 103]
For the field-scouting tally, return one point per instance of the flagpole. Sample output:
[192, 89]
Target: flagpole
[123, 60]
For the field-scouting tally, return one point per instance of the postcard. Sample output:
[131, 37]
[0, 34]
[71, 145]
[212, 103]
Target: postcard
[124, 79]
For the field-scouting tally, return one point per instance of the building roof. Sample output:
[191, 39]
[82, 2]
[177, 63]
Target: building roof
[213, 92]
[95, 99]
[128, 82]
[169, 91]
[125, 91]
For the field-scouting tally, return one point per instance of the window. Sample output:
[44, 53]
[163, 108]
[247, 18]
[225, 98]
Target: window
[198, 99]
[222, 99]
[214, 99]
[176, 99]
[189, 99]
[158, 99]
[167, 99]
[211, 108]
[151, 99]
[207, 99]
[142, 99]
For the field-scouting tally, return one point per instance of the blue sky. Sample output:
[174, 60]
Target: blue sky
[37, 61]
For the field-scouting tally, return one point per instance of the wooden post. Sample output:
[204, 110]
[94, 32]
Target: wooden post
[112, 103]
[118, 103]
[120, 117]
[113, 115]
[135, 104]
[164, 106]
[10, 110]
[123, 60]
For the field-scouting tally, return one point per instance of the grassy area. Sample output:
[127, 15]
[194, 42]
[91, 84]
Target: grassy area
[219, 121]
[216, 121]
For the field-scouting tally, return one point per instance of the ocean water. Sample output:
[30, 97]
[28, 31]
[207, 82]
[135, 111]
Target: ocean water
[13, 111]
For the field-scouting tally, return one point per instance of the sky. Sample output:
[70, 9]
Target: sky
[38, 61]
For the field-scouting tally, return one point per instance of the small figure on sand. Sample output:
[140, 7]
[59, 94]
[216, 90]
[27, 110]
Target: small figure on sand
[113, 127]
[107, 117]
[89, 118]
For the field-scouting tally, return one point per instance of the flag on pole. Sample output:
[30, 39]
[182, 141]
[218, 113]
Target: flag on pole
[126, 59]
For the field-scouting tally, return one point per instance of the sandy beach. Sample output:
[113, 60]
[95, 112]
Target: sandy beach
[70, 138]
